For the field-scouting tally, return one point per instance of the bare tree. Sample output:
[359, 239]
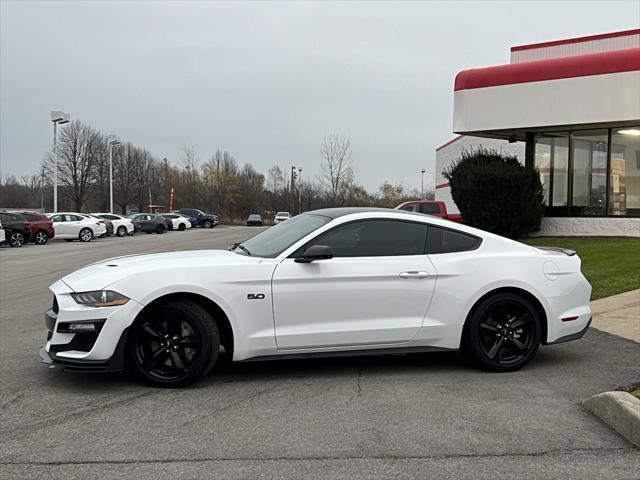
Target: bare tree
[336, 167]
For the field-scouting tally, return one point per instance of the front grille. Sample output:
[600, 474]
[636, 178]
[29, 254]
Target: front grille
[54, 307]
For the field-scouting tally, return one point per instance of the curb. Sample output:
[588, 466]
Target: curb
[619, 410]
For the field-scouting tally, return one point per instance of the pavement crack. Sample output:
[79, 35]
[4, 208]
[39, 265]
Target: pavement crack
[542, 453]
[358, 384]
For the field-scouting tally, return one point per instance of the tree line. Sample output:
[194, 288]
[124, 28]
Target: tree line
[219, 185]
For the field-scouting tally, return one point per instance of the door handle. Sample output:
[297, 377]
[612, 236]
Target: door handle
[414, 274]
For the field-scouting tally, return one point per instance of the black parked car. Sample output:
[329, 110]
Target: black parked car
[17, 231]
[149, 222]
[204, 219]
[254, 220]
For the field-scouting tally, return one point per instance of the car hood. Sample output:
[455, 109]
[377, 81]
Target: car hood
[100, 275]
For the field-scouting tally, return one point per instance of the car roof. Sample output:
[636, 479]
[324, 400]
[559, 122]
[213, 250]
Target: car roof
[342, 211]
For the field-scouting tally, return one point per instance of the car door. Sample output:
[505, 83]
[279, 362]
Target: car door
[376, 290]
[58, 225]
[73, 225]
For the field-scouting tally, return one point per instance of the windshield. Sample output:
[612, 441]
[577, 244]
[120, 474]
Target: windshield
[277, 239]
[282, 214]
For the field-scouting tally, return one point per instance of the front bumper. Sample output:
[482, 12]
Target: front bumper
[99, 350]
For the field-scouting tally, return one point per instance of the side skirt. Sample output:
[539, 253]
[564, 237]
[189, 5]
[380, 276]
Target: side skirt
[350, 353]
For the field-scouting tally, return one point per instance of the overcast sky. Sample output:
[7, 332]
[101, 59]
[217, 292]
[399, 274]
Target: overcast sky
[265, 81]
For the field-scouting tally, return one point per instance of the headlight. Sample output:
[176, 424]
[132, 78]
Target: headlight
[100, 298]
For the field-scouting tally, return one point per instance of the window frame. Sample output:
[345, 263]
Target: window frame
[477, 238]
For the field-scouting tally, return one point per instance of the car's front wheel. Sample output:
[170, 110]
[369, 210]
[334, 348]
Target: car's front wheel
[182, 227]
[504, 332]
[174, 344]
[207, 224]
[16, 239]
[122, 231]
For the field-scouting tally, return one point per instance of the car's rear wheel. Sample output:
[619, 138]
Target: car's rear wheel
[174, 344]
[16, 239]
[207, 224]
[504, 332]
[41, 238]
[182, 227]
[85, 235]
[161, 229]
[122, 231]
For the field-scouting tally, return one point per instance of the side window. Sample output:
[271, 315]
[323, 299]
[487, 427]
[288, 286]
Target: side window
[376, 238]
[430, 208]
[30, 218]
[4, 218]
[55, 218]
[443, 240]
[409, 208]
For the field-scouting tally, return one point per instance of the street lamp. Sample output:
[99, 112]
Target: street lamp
[299, 197]
[423, 171]
[112, 140]
[61, 118]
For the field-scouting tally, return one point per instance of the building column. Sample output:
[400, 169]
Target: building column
[529, 149]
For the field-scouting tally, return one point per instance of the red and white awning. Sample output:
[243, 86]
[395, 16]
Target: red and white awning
[598, 88]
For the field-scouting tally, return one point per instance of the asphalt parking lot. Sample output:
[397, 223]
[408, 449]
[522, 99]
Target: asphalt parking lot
[409, 416]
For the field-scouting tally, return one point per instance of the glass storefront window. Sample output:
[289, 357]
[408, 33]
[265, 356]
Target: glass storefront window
[589, 172]
[551, 162]
[624, 181]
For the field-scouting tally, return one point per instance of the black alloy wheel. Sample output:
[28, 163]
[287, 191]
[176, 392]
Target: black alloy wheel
[122, 231]
[207, 224]
[182, 227]
[41, 237]
[16, 239]
[504, 332]
[174, 344]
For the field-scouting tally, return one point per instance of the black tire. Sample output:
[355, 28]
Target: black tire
[503, 333]
[41, 237]
[160, 229]
[16, 239]
[85, 235]
[174, 344]
[207, 224]
[182, 227]
[122, 231]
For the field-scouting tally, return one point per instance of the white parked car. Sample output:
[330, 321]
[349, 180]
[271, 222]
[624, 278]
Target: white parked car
[121, 225]
[281, 217]
[180, 222]
[3, 237]
[329, 282]
[73, 226]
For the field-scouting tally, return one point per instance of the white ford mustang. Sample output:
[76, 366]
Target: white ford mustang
[329, 282]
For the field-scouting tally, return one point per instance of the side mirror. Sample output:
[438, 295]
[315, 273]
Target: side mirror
[315, 252]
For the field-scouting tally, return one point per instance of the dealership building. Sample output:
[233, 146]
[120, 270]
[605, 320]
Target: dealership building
[570, 109]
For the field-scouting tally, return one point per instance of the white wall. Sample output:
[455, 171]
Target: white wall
[585, 226]
[449, 154]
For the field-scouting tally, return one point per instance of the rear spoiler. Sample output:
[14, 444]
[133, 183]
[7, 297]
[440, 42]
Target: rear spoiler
[566, 251]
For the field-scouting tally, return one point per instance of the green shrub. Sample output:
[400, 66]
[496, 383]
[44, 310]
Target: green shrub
[494, 192]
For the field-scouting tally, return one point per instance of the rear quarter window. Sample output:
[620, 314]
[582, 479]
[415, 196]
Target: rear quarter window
[444, 240]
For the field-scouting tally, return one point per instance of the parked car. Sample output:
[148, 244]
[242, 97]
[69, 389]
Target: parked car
[254, 220]
[17, 231]
[122, 226]
[107, 223]
[205, 220]
[41, 227]
[281, 217]
[149, 222]
[336, 281]
[436, 208]
[2, 234]
[192, 220]
[178, 222]
[72, 226]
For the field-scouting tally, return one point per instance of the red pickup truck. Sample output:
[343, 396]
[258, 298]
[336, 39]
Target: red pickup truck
[430, 207]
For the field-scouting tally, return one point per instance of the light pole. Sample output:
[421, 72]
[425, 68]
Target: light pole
[299, 197]
[61, 118]
[423, 171]
[112, 141]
